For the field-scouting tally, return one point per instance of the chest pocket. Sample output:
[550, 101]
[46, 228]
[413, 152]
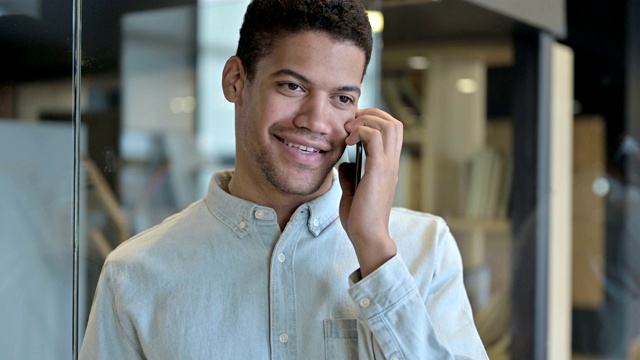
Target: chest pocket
[341, 339]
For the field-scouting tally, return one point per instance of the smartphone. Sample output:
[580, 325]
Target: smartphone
[354, 154]
[358, 162]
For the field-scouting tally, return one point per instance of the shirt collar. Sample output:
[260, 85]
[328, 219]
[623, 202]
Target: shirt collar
[240, 215]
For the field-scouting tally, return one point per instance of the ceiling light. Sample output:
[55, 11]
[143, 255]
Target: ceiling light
[467, 86]
[175, 105]
[418, 62]
[188, 104]
[376, 19]
[601, 186]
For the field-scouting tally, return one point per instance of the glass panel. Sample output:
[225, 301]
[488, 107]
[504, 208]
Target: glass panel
[455, 102]
[154, 142]
[606, 218]
[142, 162]
[157, 123]
[36, 178]
[150, 147]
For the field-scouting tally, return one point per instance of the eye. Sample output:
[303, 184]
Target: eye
[345, 99]
[292, 86]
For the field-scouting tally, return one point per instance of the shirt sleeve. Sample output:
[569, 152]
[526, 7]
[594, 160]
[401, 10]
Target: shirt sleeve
[397, 322]
[105, 338]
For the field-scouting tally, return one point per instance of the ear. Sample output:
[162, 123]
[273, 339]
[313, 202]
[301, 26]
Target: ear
[233, 79]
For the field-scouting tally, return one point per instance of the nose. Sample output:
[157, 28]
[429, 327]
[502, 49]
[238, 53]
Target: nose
[314, 114]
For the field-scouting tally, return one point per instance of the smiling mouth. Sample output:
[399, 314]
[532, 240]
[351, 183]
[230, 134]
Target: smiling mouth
[304, 149]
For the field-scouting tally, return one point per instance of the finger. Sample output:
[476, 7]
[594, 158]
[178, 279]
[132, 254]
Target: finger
[391, 128]
[374, 111]
[371, 138]
[374, 118]
[390, 136]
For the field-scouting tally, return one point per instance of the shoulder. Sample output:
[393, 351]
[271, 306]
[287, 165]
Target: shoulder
[400, 212]
[410, 223]
[421, 237]
[162, 241]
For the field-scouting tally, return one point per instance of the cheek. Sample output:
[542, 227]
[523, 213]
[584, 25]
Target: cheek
[342, 117]
[274, 109]
[243, 119]
[254, 115]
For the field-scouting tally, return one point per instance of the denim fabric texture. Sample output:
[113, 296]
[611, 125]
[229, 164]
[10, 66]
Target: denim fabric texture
[219, 280]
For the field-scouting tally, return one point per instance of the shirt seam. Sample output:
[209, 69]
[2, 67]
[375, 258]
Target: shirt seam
[389, 307]
[388, 329]
[121, 327]
[220, 216]
[398, 348]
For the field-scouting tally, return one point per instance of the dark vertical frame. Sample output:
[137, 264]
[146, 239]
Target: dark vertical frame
[76, 75]
[525, 186]
[530, 205]
[543, 235]
[631, 238]
[633, 68]
[633, 74]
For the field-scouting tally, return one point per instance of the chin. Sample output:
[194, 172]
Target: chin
[299, 185]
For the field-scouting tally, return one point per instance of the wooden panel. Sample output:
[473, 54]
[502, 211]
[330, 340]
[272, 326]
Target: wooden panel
[6, 100]
[588, 212]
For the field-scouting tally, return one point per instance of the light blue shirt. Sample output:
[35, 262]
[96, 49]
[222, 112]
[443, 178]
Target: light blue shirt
[219, 280]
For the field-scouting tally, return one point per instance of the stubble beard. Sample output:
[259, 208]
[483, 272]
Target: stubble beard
[278, 178]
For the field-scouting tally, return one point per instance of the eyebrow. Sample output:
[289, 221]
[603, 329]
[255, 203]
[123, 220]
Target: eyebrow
[304, 79]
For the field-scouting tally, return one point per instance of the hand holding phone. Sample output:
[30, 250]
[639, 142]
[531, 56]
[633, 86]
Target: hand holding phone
[365, 212]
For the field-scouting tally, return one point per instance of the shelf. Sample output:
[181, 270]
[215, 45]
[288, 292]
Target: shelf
[494, 226]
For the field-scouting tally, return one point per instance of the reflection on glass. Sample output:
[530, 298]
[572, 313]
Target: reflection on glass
[156, 127]
[36, 177]
[159, 125]
[456, 162]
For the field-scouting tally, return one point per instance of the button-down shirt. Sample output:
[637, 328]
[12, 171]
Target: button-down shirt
[220, 280]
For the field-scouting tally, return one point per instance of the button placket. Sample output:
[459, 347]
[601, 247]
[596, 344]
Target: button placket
[284, 338]
[365, 302]
[282, 294]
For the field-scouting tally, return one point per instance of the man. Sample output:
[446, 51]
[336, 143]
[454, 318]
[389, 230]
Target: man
[279, 261]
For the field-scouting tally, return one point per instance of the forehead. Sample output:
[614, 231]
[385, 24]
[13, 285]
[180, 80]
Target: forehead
[315, 52]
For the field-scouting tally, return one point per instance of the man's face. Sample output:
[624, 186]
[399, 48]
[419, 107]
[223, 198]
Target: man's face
[290, 121]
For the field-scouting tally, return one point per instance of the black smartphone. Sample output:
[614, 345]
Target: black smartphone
[354, 154]
[358, 165]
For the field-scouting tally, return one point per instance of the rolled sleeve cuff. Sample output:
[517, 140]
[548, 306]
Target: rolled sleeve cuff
[382, 289]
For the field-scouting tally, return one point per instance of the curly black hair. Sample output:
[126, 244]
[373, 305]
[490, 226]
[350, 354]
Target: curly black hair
[266, 20]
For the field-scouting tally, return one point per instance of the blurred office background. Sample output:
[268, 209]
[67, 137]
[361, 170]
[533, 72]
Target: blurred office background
[522, 130]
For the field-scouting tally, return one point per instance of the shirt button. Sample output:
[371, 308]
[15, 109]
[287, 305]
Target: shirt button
[259, 214]
[284, 338]
[281, 257]
[365, 302]
[316, 222]
[243, 224]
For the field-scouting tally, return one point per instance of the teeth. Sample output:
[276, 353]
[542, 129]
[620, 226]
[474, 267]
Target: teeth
[301, 147]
